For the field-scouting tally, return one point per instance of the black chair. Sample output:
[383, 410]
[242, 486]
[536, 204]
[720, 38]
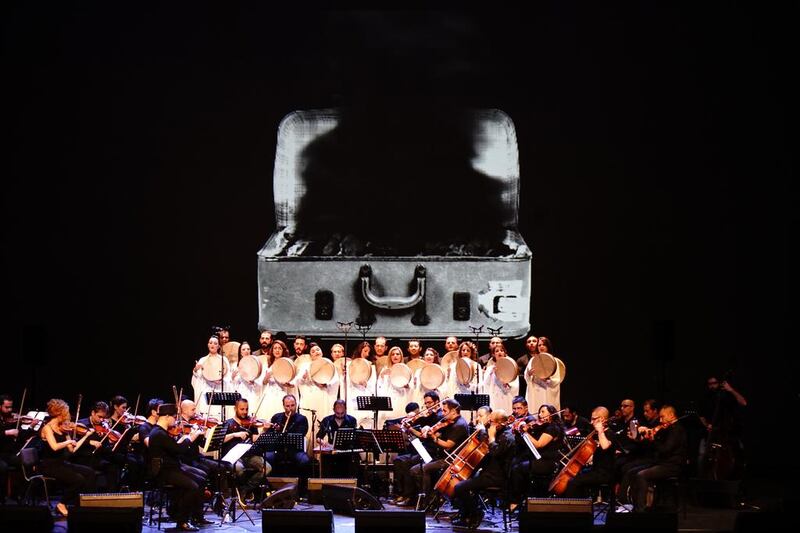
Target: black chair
[158, 493]
[29, 460]
[497, 498]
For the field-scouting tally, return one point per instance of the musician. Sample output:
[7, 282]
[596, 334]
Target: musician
[290, 421]
[722, 413]
[9, 441]
[362, 350]
[546, 434]
[493, 469]
[251, 469]
[98, 454]
[501, 395]
[450, 344]
[494, 342]
[418, 389]
[446, 435]
[272, 391]
[166, 456]
[414, 350]
[57, 452]
[575, 424]
[264, 341]
[300, 346]
[131, 466]
[400, 396]
[602, 469]
[483, 417]
[337, 352]
[200, 383]
[215, 471]
[340, 465]
[531, 349]
[247, 389]
[542, 391]
[403, 481]
[453, 385]
[315, 397]
[670, 454]
[380, 345]
[355, 389]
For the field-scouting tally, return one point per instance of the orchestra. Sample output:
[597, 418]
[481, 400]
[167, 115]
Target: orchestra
[549, 451]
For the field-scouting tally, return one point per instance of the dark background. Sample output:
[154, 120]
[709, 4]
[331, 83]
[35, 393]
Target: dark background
[655, 182]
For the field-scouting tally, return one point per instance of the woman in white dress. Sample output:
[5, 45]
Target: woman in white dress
[337, 353]
[467, 350]
[400, 395]
[250, 390]
[430, 356]
[314, 396]
[201, 384]
[543, 391]
[367, 388]
[272, 391]
[500, 394]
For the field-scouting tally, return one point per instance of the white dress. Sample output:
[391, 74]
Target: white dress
[400, 397]
[201, 385]
[363, 418]
[273, 393]
[500, 394]
[312, 396]
[474, 386]
[542, 391]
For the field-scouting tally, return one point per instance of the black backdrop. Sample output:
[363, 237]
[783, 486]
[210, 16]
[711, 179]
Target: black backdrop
[655, 181]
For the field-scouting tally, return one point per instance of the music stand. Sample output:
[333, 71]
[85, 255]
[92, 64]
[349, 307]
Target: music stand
[472, 402]
[344, 439]
[367, 441]
[374, 404]
[280, 442]
[222, 399]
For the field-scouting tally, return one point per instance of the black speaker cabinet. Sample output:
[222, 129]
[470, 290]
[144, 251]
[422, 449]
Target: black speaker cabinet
[283, 521]
[390, 521]
[315, 485]
[344, 499]
[285, 498]
[277, 483]
[37, 519]
[557, 514]
[104, 519]
[660, 522]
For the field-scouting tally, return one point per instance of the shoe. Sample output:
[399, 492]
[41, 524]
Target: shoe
[476, 519]
[186, 526]
[201, 521]
[406, 502]
[62, 509]
[460, 522]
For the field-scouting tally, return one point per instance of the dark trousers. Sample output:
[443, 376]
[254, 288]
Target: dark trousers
[463, 496]
[7, 462]
[75, 478]
[423, 475]
[110, 471]
[296, 463]
[403, 482]
[582, 484]
[187, 496]
[642, 478]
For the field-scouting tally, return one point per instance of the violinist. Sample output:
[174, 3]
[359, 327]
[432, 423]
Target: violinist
[669, 456]
[403, 482]
[602, 469]
[493, 469]
[575, 424]
[9, 441]
[546, 434]
[251, 469]
[97, 453]
[446, 434]
[215, 470]
[520, 462]
[166, 456]
[56, 458]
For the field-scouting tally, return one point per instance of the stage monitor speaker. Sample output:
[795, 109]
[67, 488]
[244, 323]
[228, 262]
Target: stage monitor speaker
[344, 499]
[557, 514]
[283, 521]
[659, 522]
[390, 521]
[104, 519]
[36, 519]
[285, 498]
[277, 483]
[315, 485]
[115, 500]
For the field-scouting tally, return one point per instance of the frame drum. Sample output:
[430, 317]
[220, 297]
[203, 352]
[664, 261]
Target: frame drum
[360, 371]
[283, 370]
[302, 359]
[416, 364]
[231, 351]
[464, 370]
[399, 375]
[506, 370]
[449, 359]
[249, 368]
[431, 376]
[544, 365]
[322, 371]
[562, 369]
[212, 368]
[381, 363]
[340, 364]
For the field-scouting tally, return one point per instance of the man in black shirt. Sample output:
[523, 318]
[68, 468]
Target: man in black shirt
[99, 455]
[403, 482]
[343, 464]
[290, 421]
[165, 456]
[602, 469]
[250, 469]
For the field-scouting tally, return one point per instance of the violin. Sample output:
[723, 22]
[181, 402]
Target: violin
[252, 422]
[128, 418]
[203, 422]
[441, 424]
[104, 429]
[650, 434]
[78, 428]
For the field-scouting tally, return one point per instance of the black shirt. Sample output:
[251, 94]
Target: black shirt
[457, 432]
[551, 450]
[297, 424]
[328, 426]
[495, 464]
[164, 447]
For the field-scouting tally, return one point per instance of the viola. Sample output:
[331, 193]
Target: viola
[131, 419]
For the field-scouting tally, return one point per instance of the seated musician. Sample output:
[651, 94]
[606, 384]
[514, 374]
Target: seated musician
[602, 470]
[546, 434]
[483, 417]
[340, 465]
[98, 452]
[447, 434]
[291, 422]
[493, 470]
[575, 424]
[214, 470]
[166, 455]
[10, 442]
[403, 482]
[251, 468]
[520, 462]
[126, 453]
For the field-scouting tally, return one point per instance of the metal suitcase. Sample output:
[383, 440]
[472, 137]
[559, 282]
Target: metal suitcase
[425, 297]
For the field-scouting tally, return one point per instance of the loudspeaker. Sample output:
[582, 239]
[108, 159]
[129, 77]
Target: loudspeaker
[285, 498]
[104, 519]
[663, 522]
[280, 521]
[557, 514]
[388, 521]
[277, 483]
[25, 518]
[344, 499]
[315, 485]
[112, 499]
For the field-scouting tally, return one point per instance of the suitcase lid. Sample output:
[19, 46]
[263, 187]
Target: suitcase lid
[496, 156]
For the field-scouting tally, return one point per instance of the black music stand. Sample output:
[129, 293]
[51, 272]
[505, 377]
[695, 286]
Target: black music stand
[472, 402]
[280, 442]
[222, 399]
[374, 404]
[344, 439]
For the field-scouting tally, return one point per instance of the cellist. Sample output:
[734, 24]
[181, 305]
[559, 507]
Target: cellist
[602, 469]
[493, 471]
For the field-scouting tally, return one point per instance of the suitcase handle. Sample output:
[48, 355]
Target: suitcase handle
[392, 302]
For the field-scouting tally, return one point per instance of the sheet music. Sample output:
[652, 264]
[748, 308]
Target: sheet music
[417, 444]
[532, 448]
[235, 453]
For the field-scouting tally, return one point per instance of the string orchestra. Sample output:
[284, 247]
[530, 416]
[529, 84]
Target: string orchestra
[289, 405]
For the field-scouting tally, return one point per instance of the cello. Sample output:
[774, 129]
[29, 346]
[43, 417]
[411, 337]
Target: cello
[580, 456]
[464, 463]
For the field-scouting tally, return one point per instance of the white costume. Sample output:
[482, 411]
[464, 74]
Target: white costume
[313, 396]
[500, 394]
[364, 419]
[201, 385]
[400, 397]
[542, 391]
[273, 393]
